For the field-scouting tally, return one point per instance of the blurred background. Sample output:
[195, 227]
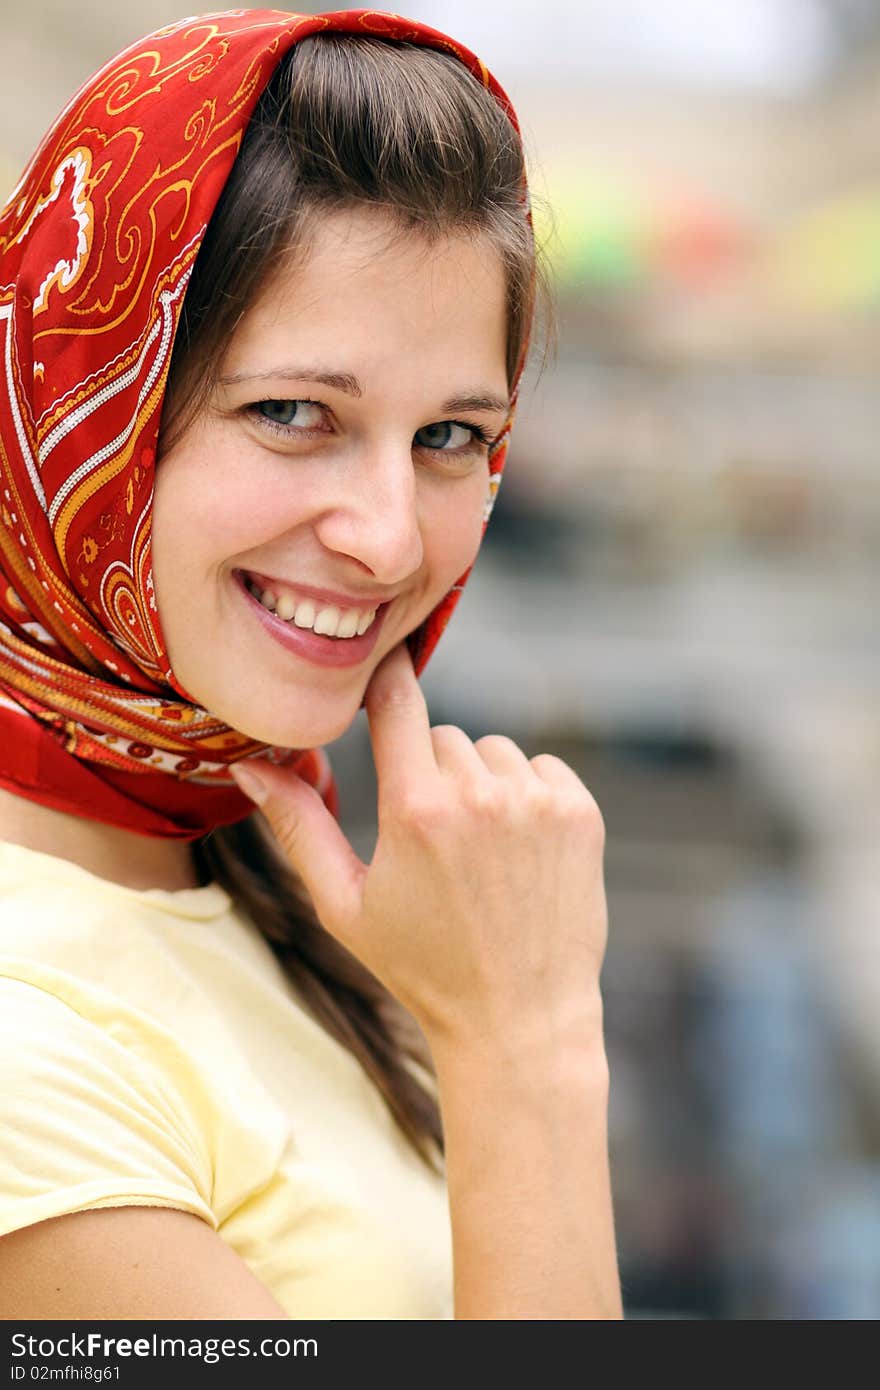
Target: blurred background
[677, 593]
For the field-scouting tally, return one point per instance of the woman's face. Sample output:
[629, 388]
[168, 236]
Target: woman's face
[341, 469]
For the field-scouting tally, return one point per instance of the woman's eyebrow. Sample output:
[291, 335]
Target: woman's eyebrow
[477, 400]
[342, 381]
[345, 381]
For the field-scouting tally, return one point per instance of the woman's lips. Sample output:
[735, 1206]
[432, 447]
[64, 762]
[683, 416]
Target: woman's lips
[320, 596]
[313, 646]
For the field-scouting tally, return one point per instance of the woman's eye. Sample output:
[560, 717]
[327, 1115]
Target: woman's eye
[446, 434]
[301, 415]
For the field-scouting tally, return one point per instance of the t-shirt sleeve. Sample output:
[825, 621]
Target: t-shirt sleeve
[86, 1119]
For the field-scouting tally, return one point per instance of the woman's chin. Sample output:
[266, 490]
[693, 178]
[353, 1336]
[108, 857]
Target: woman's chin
[293, 733]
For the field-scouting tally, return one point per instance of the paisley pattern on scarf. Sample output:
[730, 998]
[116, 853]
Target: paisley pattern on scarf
[97, 243]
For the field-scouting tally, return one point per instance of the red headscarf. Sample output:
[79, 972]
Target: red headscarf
[97, 243]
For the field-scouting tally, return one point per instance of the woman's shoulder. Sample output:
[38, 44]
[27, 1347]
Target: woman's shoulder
[82, 955]
[57, 922]
[126, 965]
[54, 910]
[118, 1074]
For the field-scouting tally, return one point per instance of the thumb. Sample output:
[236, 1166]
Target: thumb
[311, 841]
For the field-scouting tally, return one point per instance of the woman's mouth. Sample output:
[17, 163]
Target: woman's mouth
[323, 633]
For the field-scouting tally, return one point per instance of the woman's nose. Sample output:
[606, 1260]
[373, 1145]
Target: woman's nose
[376, 521]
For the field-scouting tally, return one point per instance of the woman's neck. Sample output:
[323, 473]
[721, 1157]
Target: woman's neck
[134, 861]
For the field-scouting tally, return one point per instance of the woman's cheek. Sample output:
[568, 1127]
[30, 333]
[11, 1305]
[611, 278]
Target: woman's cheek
[463, 523]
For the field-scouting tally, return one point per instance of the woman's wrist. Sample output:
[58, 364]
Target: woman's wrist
[546, 1093]
[532, 1054]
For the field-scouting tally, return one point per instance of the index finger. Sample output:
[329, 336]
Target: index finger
[400, 729]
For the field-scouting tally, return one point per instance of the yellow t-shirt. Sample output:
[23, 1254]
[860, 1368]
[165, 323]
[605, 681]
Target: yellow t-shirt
[153, 1053]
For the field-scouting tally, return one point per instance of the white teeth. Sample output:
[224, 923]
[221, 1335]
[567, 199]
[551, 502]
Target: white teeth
[330, 621]
[305, 614]
[327, 621]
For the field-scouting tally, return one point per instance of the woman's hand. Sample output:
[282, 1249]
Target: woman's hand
[483, 909]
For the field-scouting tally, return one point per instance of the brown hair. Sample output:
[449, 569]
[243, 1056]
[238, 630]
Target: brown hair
[346, 120]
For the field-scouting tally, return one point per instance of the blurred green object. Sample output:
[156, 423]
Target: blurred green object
[612, 236]
[596, 236]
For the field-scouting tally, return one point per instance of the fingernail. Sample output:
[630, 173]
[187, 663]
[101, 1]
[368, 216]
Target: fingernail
[252, 785]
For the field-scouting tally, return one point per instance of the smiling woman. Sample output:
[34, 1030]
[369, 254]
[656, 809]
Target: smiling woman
[366, 500]
[306, 242]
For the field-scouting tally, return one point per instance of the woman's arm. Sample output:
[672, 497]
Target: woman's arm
[529, 1187]
[483, 910]
[127, 1262]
